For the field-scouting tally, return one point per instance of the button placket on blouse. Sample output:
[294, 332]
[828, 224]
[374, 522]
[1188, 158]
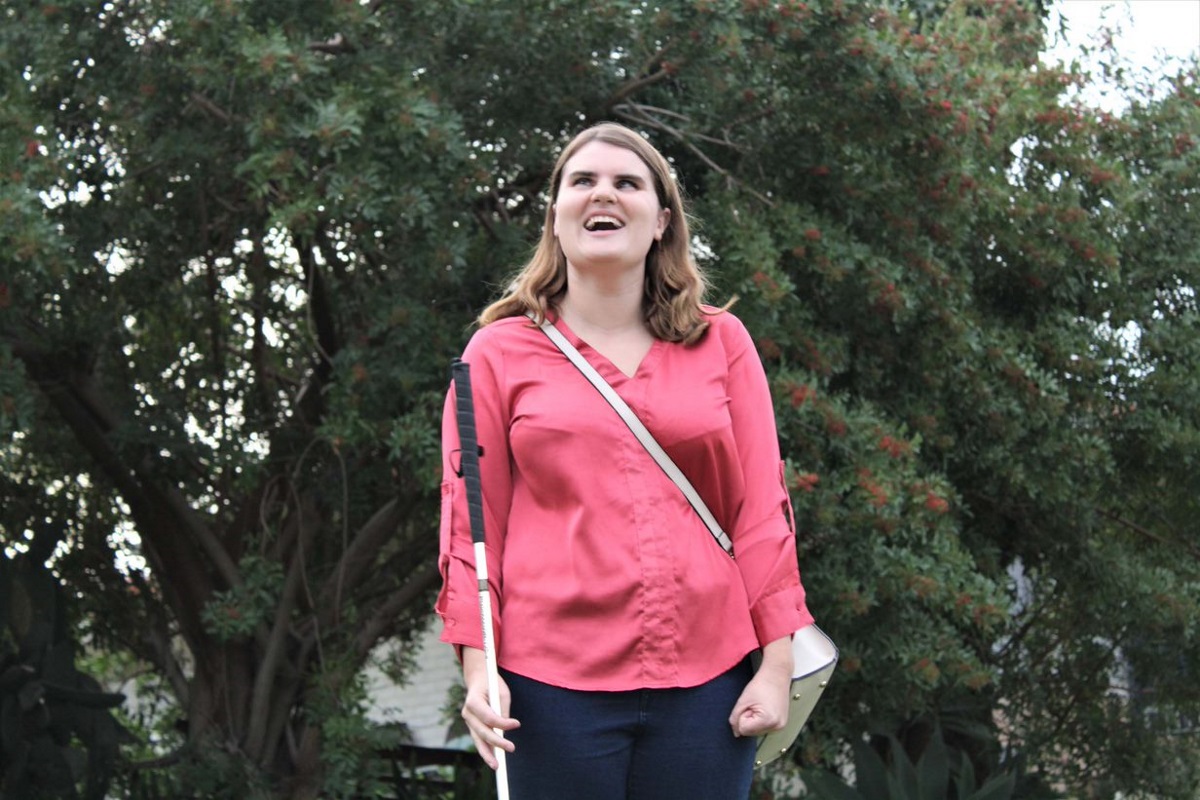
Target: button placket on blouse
[658, 593]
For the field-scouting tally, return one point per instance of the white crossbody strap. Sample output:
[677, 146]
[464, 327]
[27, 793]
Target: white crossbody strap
[644, 436]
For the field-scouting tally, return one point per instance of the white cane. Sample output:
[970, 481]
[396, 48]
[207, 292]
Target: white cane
[465, 412]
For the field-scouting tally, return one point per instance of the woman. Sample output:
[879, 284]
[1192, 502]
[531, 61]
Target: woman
[623, 629]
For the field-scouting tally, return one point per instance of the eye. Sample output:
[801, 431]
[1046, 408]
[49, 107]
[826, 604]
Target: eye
[581, 180]
[630, 183]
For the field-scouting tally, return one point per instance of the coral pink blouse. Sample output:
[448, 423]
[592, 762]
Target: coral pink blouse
[602, 576]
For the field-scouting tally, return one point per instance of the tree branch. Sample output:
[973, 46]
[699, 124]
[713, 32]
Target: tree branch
[640, 115]
[1147, 533]
[211, 108]
[335, 45]
[265, 694]
[358, 557]
[158, 512]
[287, 698]
[645, 77]
[323, 332]
[156, 638]
[385, 616]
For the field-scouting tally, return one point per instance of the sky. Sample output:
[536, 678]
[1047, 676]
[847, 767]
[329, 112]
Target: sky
[1149, 29]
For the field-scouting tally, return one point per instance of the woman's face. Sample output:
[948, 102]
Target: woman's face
[607, 210]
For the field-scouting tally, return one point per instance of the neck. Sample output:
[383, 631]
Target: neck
[603, 305]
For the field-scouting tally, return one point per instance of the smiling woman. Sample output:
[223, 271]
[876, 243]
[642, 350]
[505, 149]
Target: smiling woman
[674, 284]
[621, 621]
[607, 214]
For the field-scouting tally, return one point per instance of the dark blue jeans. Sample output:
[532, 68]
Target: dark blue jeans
[648, 744]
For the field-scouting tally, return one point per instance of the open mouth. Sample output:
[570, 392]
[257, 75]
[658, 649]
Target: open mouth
[602, 222]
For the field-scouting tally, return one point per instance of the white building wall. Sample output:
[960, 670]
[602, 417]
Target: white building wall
[419, 702]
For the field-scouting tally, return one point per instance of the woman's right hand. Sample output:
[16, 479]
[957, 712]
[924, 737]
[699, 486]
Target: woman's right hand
[485, 725]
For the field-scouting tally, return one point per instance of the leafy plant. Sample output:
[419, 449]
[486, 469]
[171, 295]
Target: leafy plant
[56, 730]
[938, 774]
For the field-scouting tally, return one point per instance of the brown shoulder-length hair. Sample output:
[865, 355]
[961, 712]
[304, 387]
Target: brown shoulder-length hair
[674, 285]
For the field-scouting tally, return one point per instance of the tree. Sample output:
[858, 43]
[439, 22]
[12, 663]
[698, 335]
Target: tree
[242, 242]
[198, 298]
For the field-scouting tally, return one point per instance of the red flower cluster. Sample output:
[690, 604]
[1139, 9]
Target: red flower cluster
[896, 448]
[927, 670]
[888, 298]
[879, 495]
[936, 504]
[768, 349]
[835, 426]
[807, 481]
[801, 394]
[856, 602]
[922, 585]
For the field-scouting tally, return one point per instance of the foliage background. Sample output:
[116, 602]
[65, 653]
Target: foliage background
[241, 242]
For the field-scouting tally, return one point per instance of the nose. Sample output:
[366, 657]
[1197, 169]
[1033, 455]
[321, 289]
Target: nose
[602, 192]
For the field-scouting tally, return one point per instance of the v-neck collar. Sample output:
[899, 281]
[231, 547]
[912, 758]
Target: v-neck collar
[601, 362]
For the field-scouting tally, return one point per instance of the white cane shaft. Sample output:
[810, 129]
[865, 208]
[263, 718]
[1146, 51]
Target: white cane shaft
[493, 672]
[501, 775]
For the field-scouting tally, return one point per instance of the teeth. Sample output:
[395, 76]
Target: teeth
[602, 219]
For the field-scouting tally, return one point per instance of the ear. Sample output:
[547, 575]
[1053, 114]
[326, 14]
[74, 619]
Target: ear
[664, 219]
[554, 213]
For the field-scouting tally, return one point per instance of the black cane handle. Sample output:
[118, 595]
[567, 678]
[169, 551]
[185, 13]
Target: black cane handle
[460, 372]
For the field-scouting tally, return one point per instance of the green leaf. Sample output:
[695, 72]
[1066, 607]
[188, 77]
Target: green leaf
[966, 778]
[870, 772]
[822, 785]
[1000, 787]
[933, 769]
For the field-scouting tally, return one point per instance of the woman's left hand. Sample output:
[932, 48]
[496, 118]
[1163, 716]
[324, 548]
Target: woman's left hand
[763, 705]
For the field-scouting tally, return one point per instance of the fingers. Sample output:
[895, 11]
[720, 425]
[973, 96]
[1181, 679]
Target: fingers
[486, 726]
[755, 722]
[762, 708]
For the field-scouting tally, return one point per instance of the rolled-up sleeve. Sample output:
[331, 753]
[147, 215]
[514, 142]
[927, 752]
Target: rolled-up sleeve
[458, 601]
[763, 535]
